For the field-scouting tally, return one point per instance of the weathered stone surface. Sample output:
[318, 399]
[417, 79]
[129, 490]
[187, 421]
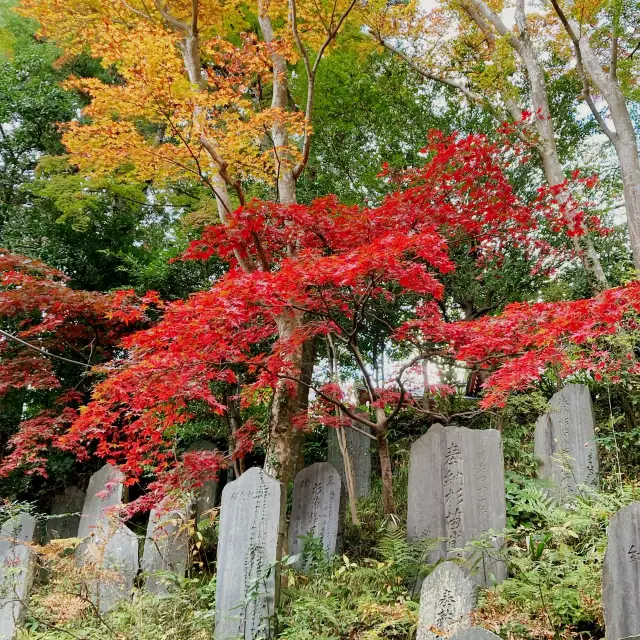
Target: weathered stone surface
[315, 508]
[565, 441]
[474, 633]
[64, 517]
[251, 516]
[17, 568]
[621, 575]
[456, 491]
[447, 599]
[106, 489]
[115, 562]
[166, 547]
[207, 494]
[359, 447]
[109, 548]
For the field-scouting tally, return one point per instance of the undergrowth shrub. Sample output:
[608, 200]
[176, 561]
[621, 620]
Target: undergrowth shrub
[368, 599]
[554, 553]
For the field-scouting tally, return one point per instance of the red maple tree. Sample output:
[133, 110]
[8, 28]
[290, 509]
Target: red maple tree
[52, 343]
[348, 262]
[347, 259]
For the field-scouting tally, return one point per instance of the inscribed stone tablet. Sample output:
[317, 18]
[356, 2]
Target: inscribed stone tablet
[251, 516]
[621, 574]
[456, 491]
[121, 562]
[359, 447]
[447, 599]
[64, 518]
[565, 441]
[166, 547]
[17, 569]
[315, 508]
[115, 562]
[474, 633]
[106, 489]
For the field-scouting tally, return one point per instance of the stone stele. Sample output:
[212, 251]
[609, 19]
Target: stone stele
[315, 509]
[447, 599]
[621, 575]
[64, 516]
[565, 441]
[112, 564]
[166, 547]
[106, 489]
[249, 546]
[17, 570]
[456, 492]
[474, 633]
[109, 550]
[206, 495]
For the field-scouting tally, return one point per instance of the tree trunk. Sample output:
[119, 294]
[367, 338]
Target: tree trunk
[386, 474]
[348, 475]
[548, 152]
[483, 15]
[623, 139]
[627, 151]
[302, 400]
[281, 454]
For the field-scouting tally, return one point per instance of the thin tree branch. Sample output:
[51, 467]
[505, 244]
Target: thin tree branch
[43, 352]
[456, 84]
[337, 403]
[174, 22]
[311, 74]
[575, 40]
[146, 16]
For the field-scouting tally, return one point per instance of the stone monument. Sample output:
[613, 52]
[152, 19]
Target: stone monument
[315, 508]
[456, 491]
[106, 489]
[109, 549]
[166, 547]
[249, 546]
[621, 575]
[64, 516]
[359, 447]
[447, 599]
[565, 441]
[17, 570]
[206, 495]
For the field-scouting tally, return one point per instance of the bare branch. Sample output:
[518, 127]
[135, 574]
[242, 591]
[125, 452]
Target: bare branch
[337, 403]
[144, 15]
[332, 34]
[575, 40]
[311, 75]
[174, 22]
[43, 352]
[223, 168]
[456, 84]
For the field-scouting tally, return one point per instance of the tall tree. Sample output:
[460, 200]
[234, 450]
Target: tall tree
[604, 42]
[475, 62]
[349, 262]
[209, 80]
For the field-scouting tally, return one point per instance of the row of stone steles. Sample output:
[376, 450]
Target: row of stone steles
[109, 550]
[456, 493]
